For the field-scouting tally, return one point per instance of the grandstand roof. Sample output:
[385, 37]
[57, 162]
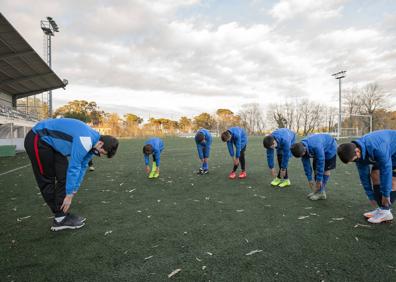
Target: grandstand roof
[22, 71]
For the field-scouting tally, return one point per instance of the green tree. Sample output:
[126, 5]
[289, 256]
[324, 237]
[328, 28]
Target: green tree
[204, 120]
[185, 124]
[132, 123]
[82, 110]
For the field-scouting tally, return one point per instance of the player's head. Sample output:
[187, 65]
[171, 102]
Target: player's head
[269, 141]
[348, 152]
[147, 149]
[225, 136]
[107, 146]
[298, 150]
[200, 137]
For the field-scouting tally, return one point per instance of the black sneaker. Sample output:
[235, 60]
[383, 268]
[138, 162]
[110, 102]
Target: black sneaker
[69, 222]
[77, 217]
[200, 171]
[205, 171]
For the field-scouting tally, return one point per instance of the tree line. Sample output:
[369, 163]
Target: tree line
[358, 104]
[300, 115]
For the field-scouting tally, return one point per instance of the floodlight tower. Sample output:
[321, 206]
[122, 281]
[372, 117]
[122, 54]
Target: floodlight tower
[339, 75]
[49, 28]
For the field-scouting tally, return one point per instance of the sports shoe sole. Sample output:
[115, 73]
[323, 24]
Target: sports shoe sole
[385, 221]
[59, 228]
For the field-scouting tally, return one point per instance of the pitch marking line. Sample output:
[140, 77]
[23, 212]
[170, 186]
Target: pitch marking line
[15, 169]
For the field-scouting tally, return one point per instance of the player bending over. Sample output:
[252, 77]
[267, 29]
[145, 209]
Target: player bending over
[203, 140]
[375, 158]
[236, 136]
[322, 149]
[281, 140]
[153, 146]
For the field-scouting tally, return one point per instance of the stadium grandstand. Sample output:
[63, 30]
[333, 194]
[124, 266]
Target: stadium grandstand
[23, 73]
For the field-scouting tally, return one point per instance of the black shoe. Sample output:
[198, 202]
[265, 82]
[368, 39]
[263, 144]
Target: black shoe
[77, 217]
[69, 222]
[205, 171]
[200, 171]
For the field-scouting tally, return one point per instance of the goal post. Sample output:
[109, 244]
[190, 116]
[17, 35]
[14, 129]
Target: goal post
[355, 125]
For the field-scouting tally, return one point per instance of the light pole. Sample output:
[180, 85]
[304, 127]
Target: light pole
[339, 75]
[49, 28]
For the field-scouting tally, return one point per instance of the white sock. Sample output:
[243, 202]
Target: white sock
[59, 218]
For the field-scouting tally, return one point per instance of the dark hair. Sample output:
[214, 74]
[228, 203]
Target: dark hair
[268, 141]
[297, 150]
[225, 136]
[346, 152]
[110, 145]
[147, 149]
[199, 137]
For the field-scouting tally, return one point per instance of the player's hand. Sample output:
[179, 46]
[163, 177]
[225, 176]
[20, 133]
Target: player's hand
[282, 173]
[273, 172]
[386, 201]
[66, 203]
[236, 161]
[147, 169]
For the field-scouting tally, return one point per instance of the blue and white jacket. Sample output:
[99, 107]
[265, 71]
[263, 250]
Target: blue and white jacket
[239, 139]
[320, 147]
[378, 147]
[71, 138]
[284, 138]
[158, 146]
[207, 144]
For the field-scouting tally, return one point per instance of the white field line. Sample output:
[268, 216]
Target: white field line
[15, 169]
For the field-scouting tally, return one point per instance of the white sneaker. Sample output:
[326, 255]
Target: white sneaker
[381, 216]
[91, 168]
[371, 214]
[318, 196]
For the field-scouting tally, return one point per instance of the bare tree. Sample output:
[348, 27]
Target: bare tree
[311, 115]
[372, 98]
[252, 118]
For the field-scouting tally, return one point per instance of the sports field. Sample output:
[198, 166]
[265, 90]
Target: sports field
[209, 227]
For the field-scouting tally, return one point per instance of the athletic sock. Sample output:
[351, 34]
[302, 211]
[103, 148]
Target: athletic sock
[324, 182]
[235, 168]
[392, 196]
[377, 194]
[286, 175]
[154, 167]
[205, 166]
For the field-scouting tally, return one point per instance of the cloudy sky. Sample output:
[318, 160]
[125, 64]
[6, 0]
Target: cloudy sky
[181, 57]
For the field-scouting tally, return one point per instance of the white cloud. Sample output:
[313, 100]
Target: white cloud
[312, 9]
[139, 55]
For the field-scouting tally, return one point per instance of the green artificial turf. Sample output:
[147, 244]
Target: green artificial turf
[139, 229]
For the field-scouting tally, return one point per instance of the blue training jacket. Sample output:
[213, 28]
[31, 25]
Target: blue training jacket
[158, 146]
[377, 147]
[320, 147]
[284, 138]
[207, 144]
[239, 139]
[72, 138]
